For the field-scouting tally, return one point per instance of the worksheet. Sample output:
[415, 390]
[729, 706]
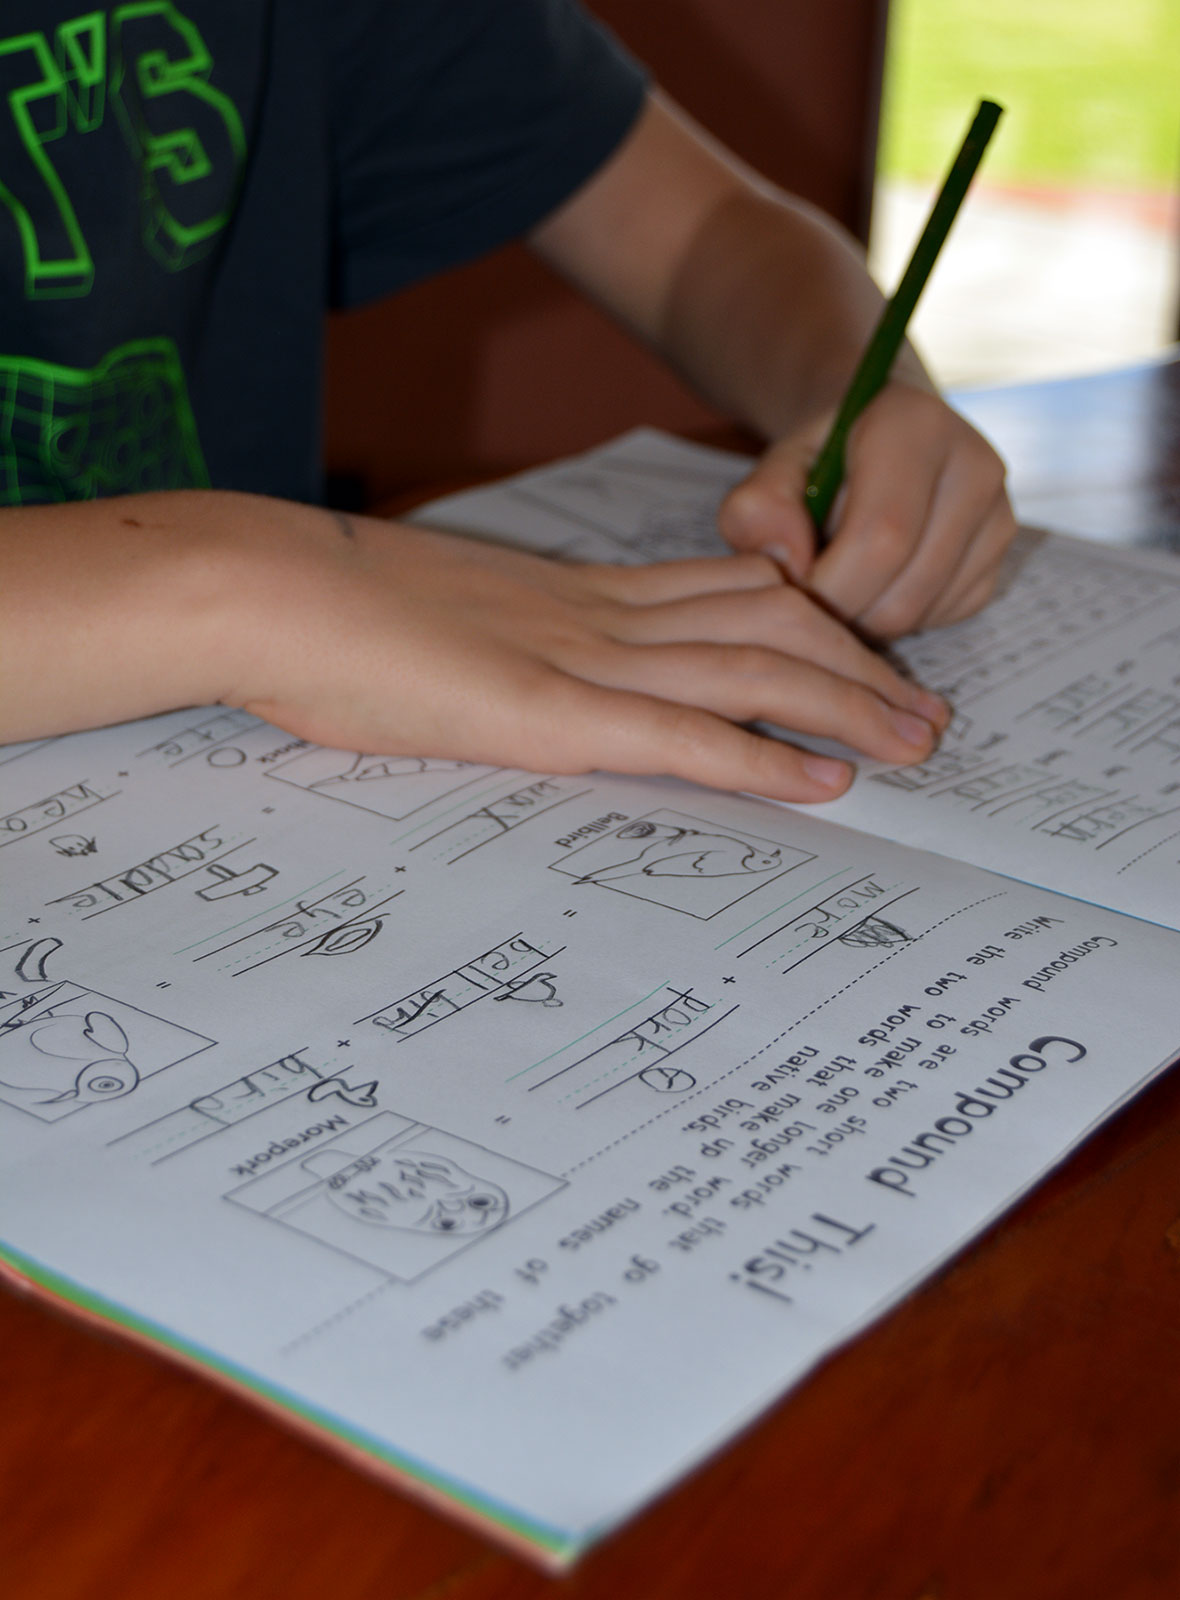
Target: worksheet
[523, 1135]
[1062, 764]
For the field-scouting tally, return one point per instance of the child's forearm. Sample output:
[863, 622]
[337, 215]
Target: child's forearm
[762, 302]
[766, 307]
[374, 636]
[113, 609]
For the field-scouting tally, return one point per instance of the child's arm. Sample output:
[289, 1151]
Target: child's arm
[375, 636]
[766, 306]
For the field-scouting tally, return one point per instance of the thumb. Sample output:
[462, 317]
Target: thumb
[766, 511]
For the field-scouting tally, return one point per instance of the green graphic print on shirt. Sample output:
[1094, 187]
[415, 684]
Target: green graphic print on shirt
[123, 427]
[63, 430]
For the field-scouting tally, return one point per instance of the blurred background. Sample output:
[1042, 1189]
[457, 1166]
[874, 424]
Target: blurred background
[1065, 258]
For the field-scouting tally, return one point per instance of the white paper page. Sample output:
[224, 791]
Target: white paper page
[1062, 766]
[530, 1132]
[644, 497]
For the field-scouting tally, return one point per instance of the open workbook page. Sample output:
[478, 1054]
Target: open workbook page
[1062, 765]
[525, 1135]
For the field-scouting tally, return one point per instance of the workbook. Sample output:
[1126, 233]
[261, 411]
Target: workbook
[525, 1135]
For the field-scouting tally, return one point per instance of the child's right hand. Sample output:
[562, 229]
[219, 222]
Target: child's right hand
[399, 640]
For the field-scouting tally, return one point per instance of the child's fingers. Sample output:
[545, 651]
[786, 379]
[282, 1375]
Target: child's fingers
[969, 597]
[665, 581]
[980, 570]
[968, 527]
[766, 510]
[413, 645]
[782, 619]
[882, 523]
[920, 489]
[971, 600]
[589, 725]
[924, 504]
[747, 683]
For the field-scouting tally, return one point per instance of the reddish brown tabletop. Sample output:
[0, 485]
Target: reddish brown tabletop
[1013, 1430]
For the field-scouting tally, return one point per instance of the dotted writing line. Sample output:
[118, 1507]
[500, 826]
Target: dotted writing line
[1156, 846]
[712, 1085]
[330, 1322]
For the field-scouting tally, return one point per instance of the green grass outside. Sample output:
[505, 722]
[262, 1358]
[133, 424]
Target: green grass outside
[1091, 89]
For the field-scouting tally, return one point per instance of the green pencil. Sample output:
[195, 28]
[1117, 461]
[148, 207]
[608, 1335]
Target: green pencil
[881, 352]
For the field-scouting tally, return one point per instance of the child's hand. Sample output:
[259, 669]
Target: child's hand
[399, 640]
[918, 531]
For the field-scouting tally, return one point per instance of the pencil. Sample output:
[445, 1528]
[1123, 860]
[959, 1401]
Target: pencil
[870, 376]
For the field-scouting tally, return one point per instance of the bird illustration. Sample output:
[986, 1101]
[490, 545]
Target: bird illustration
[418, 1191]
[675, 852]
[68, 1057]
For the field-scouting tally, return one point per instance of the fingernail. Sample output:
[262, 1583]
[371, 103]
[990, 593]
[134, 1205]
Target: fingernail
[825, 771]
[933, 707]
[784, 558]
[914, 730]
[754, 517]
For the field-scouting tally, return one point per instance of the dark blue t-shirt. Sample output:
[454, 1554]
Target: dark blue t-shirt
[185, 187]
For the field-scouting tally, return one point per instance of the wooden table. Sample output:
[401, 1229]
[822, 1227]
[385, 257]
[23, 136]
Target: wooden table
[1011, 1431]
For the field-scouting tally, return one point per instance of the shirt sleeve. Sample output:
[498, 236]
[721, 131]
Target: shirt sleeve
[459, 124]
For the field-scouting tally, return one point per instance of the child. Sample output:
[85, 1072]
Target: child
[190, 188]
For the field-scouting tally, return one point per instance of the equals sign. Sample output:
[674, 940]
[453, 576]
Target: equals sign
[504, 1119]
[569, 913]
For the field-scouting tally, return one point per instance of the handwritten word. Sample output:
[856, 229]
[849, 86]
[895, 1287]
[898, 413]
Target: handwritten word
[328, 925]
[812, 928]
[156, 872]
[202, 736]
[457, 989]
[640, 1053]
[31, 819]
